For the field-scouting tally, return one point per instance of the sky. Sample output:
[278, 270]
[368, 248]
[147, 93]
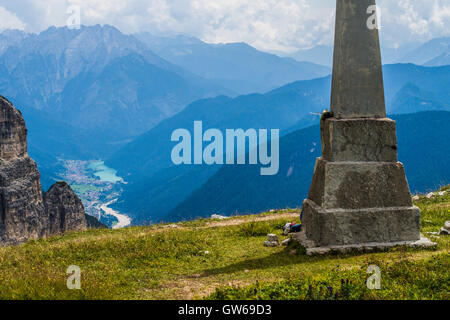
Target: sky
[271, 25]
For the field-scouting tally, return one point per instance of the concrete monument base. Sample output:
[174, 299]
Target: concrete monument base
[313, 249]
[354, 226]
[359, 194]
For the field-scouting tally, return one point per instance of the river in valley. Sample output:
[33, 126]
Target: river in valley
[99, 187]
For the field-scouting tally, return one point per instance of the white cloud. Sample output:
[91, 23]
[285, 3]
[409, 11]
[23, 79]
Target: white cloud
[267, 24]
[441, 15]
[9, 21]
[415, 20]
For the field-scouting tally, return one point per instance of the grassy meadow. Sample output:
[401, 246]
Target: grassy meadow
[222, 259]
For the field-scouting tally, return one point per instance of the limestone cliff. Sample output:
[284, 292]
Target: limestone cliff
[64, 209]
[24, 214]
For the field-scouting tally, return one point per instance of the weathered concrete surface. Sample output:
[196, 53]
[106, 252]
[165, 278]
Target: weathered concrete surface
[365, 139]
[352, 226]
[312, 249]
[359, 193]
[355, 185]
[357, 85]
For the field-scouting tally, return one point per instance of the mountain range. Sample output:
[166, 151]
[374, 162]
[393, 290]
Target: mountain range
[236, 66]
[432, 53]
[113, 87]
[156, 186]
[96, 93]
[96, 79]
[418, 134]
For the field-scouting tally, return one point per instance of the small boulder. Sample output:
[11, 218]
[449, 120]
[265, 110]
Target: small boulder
[286, 242]
[272, 241]
[442, 193]
[445, 231]
[416, 198]
[447, 225]
[430, 195]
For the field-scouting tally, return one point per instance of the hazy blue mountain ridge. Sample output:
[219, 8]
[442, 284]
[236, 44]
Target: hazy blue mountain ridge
[92, 77]
[155, 185]
[428, 51]
[442, 60]
[432, 53]
[237, 66]
[423, 147]
[154, 180]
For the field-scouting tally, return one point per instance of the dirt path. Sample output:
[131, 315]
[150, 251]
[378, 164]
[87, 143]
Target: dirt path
[235, 222]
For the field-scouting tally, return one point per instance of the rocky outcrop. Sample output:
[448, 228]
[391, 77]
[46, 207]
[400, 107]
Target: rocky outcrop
[24, 214]
[64, 209]
[93, 223]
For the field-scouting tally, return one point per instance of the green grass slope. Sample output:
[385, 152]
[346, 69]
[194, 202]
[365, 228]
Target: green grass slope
[220, 260]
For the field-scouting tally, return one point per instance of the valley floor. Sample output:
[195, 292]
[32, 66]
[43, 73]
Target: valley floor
[221, 259]
[98, 187]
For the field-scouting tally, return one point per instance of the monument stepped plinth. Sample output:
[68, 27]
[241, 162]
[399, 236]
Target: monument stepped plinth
[359, 196]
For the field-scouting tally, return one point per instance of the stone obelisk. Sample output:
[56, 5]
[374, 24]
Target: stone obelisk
[359, 194]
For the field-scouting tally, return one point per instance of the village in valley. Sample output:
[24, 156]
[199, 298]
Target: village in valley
[95, 184]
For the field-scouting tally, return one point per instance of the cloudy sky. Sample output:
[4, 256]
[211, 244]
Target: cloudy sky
[275, 25]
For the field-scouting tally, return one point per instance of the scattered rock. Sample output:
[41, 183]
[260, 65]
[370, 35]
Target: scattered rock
[207, 252]
[445, 231]
[416, 198]
[447, 225]
[442, 193]
[272, 241]
[172, 226]
[271, 244]
[430, 195]
[217, 216]
[286, 242]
